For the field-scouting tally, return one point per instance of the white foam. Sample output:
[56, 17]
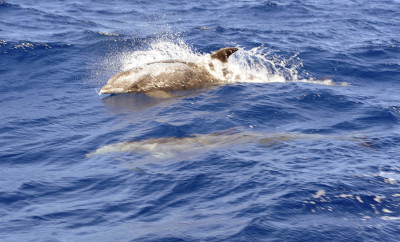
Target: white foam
[385, 210]
[319, 193]
[390, 177]
[390, 218]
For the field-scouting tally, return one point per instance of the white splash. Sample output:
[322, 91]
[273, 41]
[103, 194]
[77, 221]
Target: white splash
[257, 65]
[159, 51]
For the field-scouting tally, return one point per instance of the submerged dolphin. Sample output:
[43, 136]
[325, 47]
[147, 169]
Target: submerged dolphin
[169, 146]
[173, 75]
[199, 143]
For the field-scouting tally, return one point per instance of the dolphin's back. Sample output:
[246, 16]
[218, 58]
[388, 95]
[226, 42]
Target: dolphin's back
[173, 77]
[169, 75]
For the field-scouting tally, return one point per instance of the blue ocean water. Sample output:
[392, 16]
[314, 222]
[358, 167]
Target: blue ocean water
[291, 156]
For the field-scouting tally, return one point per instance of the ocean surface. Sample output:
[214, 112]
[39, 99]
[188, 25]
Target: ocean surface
[302, 144]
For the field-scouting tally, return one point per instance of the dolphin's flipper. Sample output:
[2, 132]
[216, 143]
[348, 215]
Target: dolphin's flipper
[223, 54]
[160, 94]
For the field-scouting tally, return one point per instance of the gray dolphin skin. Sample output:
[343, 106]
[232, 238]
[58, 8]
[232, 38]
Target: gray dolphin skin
[199, 143]
[165, 76]
[170, 146]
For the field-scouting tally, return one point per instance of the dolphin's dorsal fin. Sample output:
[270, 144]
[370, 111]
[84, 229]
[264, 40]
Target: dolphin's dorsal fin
[223, 54]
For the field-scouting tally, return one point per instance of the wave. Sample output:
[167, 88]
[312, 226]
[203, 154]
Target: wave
[27, 46]
[41, 24]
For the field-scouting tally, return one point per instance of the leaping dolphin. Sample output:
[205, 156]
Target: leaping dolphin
[157, 78]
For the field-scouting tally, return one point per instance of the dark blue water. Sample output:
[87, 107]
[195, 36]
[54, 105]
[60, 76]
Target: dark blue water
[287, 160]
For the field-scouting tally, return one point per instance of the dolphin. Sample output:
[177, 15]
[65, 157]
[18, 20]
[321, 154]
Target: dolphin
[167, 147]
[158, 78]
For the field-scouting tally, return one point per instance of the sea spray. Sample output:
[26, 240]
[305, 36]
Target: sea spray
[256, 65]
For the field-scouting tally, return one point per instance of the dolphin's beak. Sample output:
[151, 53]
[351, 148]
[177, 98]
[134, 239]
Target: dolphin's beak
[108, 89]
[105, 90]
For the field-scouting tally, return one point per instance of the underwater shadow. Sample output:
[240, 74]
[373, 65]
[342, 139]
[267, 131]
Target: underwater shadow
[128, 102]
